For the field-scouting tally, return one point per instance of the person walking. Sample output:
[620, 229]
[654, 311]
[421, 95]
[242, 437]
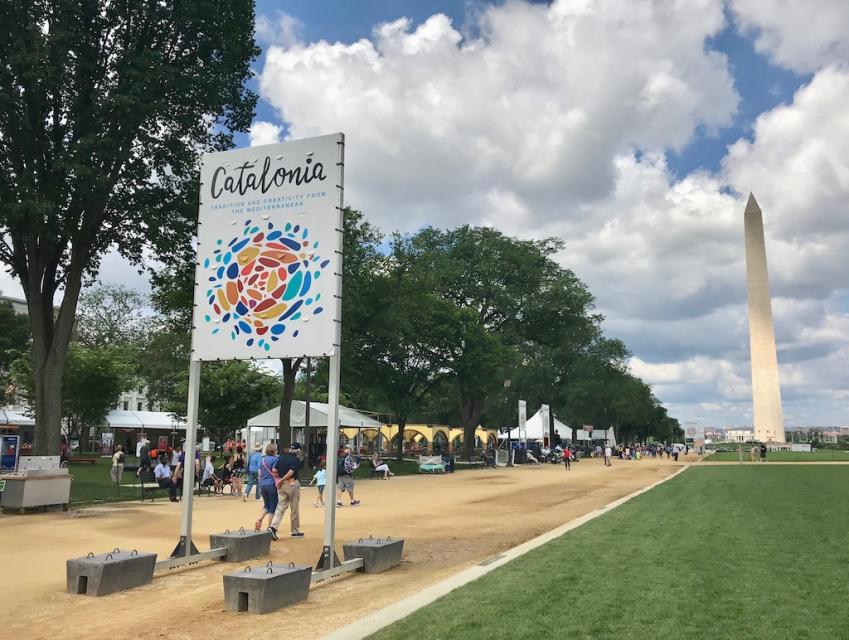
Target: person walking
[345, 477]
[607, 454]
[320, 480]
[753, 453]
[253, 471]
[267, 488]
[117, 465]
[567, 458]
[288, 491]
[763, 452]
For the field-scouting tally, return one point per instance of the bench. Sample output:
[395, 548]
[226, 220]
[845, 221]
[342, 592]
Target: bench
[148, 484]
[83, 459]
[431, 464]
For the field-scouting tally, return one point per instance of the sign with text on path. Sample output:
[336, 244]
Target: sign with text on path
[268, 258]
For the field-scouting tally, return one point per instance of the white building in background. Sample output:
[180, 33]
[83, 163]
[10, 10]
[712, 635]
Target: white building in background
[739, 435]
[135, 400]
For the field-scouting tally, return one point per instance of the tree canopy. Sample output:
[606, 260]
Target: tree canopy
[105, 107]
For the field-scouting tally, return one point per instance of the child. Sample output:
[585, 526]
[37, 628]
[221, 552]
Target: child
[320, 479]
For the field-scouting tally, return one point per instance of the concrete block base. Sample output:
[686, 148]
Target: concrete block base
[268, 588]
[98, 575]
[242, 545]
[378, 554]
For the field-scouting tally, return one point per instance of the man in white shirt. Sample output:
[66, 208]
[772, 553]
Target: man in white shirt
[163, 476]
[607, 454]
[209, 479]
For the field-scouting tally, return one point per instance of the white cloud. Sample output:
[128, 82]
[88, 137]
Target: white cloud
[802, 36]
[556, 121]
[279, 29]
[264, 133]
[538, 106]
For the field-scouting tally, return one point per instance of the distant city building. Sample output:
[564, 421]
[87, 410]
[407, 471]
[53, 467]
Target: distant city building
[739, 435]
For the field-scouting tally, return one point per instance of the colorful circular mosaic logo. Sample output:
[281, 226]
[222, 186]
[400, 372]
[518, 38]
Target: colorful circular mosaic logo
[260, 283]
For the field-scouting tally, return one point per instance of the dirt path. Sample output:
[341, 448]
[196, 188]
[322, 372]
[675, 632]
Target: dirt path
[449, 522]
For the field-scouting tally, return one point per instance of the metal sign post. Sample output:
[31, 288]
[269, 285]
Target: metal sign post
[328, 557]
[186, 547]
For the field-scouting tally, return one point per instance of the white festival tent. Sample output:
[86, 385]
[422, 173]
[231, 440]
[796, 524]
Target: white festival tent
[318, 417]
[119, 419]
[15, 419]
[536, 430]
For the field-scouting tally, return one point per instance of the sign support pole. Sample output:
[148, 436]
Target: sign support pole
[186, 547]
[328, 553]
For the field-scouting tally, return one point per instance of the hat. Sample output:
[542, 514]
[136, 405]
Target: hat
[295, 445]
[257, 447]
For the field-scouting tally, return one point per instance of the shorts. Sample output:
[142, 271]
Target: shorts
[345, 483]
[269, 498]
[208, 482]
[320, 489]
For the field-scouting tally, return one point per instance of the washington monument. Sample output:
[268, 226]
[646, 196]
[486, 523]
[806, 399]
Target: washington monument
[766, 392]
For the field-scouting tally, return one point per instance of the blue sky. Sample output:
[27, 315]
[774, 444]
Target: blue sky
[631, 130]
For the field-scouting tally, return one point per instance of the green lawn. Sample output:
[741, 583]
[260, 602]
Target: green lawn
[820, 455]
[718, 552]
[93, 484]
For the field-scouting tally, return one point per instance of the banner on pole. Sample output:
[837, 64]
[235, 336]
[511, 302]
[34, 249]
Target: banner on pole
[543, 410]
[523, 417]
[267, 260]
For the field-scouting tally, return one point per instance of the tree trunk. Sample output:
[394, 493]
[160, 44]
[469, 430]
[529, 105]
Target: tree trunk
[550, 426]
[402, 424]
[85, 438]
[284, 429]
[49, 353]
[470, 416]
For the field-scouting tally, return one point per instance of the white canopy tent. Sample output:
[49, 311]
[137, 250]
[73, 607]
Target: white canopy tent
[15, 419]
[318, 417]
[536, 430]
[119, 419]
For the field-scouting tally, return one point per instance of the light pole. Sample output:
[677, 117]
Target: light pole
[507, 383]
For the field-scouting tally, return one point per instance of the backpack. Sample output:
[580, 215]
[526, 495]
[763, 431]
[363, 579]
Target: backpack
[340, 467]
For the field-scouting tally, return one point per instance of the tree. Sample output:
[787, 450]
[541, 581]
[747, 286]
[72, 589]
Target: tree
[14, 341]
[507, 299]
[111, 315]
[232, 393]
[105, 107]
[94, 377]
[400, 350]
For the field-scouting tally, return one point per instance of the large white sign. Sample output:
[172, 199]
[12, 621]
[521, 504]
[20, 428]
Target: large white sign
[268, 262]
